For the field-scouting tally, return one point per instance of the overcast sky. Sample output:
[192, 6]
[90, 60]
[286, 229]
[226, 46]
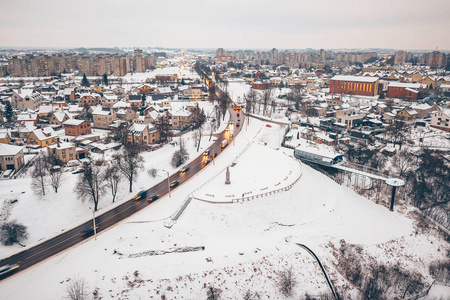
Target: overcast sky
[399, 24]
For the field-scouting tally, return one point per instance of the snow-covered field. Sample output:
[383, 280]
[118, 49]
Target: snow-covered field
[235, 247]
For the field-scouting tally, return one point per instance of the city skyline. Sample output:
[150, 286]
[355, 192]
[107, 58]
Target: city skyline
[407, 25]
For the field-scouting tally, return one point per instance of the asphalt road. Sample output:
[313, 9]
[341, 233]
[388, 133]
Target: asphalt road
[55, 245]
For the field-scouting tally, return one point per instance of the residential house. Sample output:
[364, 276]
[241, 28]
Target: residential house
[26, 99]
[315, 136]
[406, 114]
[144, 89]
[142, 134]
[423, 110]
[5, 137]
[103, 117]
[42, 137]
[11, 157]
[64, 151]
[441, 120]
[167, 91]
[181, 118]
[76, 127]
[59, 117]
[134, 100]
[350, 118]
[389, 117]
[96, 89]
[90, 99]
[109, 100]
[45, 110]
[28, 117]
[360, 137]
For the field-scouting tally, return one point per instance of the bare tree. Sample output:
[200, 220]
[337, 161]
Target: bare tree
[266, 99]
[90, 184]
[112, 178]
[38, 175]
[218, 113]
[212, 128]
[223, 104]
[55, 178]
[213, 293]
[287, 282]
[13, 232]
[76, 289]
[180, 156]
[129, 161]
[403, 161]
[198, 120]
[163, 126]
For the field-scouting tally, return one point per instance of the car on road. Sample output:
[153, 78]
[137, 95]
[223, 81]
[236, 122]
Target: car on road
[224, 143]
[8, 269]
[268, 125]
[206, 153]
[184, 169]
[88, 231]
[141, 195]
[174, 184]
[152, 198]
[205, 162]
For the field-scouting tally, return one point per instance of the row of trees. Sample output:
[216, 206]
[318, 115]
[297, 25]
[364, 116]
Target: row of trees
[95, 180]
[96, 177]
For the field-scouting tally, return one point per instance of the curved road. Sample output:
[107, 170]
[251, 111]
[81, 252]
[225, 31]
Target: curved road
[55, 245]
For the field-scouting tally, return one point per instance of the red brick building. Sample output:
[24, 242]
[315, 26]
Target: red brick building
[354, 85]
[77, 127]
[407, 91]
[260, 85]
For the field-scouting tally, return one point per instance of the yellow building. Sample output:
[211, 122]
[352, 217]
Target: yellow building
[5, 138]
[42, 137]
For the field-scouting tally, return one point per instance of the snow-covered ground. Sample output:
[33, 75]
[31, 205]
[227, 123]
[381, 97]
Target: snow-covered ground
[235, 247]
[49, 215]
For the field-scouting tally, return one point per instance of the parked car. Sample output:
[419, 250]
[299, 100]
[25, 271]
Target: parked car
[8, 269]
[152, 198]
[174, 183]
[78, 171]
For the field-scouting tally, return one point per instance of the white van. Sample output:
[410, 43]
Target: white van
[224, 143]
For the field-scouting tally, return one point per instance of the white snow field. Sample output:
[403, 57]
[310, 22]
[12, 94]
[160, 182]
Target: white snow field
[235, 247]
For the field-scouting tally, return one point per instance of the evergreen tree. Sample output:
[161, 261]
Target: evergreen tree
[143, 100]
[85, 81]
[9, 113]
[105, 79]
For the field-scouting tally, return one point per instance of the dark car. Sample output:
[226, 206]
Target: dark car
[152, 198]
[8, 269]
[88, 231]
[174, 183]
[184, 169]
[141, 195]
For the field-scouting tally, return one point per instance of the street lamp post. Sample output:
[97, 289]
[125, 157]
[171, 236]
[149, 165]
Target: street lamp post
[168, 182]
[93, 220]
